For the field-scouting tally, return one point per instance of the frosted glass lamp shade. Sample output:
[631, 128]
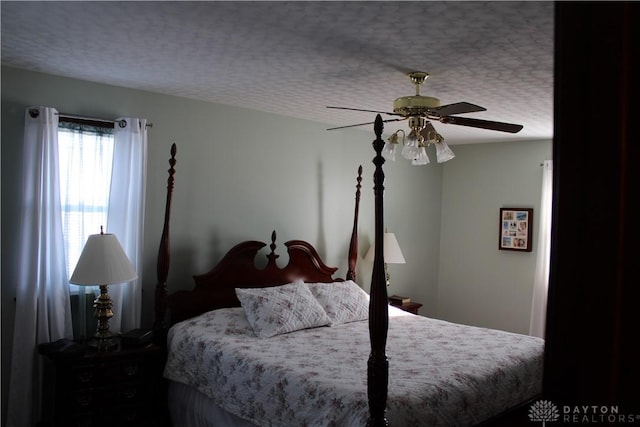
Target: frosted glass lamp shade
[411, 149]
[103, 262]
[422, 158]
[392, 252]
[389, 151]
[443, 152]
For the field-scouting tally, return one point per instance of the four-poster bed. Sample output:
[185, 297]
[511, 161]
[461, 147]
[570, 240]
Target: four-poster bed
[286, 346]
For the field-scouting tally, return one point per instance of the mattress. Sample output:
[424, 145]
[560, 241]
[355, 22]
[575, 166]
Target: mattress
[440, 373]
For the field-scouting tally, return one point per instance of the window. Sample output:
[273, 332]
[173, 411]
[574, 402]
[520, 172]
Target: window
[86, 160]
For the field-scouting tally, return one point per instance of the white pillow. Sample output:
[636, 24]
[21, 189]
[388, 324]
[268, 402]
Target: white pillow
[281, 309]
[344, 302]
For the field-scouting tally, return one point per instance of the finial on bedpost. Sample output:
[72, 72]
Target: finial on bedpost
[172, 164]
[273, 241]
[378, 126]
[272, 256]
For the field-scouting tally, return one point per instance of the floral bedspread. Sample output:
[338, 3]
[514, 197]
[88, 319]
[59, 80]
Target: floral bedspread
[440, 373]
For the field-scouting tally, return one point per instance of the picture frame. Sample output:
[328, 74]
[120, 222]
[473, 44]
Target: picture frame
[516, 229]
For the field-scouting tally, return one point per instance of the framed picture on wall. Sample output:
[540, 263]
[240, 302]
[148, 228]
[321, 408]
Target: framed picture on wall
[515, 229]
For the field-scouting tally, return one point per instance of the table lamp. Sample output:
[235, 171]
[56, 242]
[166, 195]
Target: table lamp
[392, 253]
[103, 262]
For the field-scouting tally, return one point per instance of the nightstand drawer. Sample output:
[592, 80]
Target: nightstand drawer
[120, 394]
[81, 376]
[126, 394]
[111, 371]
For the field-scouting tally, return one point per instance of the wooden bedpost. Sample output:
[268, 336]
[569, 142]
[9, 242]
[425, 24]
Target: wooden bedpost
[159, 324]
[353, 244]
[378, 364]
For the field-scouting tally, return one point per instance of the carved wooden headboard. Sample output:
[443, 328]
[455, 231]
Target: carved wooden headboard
[237, 269]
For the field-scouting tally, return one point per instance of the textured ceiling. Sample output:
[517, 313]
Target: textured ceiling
[296, 58]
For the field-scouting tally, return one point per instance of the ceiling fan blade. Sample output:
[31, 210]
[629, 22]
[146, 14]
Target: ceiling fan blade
[368, 123]
[457, 108]
[482, 124]
[367, 111]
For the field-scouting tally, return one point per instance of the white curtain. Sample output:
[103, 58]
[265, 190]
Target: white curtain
[543, 253]
[126, 215]
[43, 311]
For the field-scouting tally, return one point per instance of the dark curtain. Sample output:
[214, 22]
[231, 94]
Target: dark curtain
[593, 317]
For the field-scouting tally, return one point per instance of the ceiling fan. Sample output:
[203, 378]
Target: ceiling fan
[420, 110]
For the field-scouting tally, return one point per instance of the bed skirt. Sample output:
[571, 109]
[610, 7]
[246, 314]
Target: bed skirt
[190, 408]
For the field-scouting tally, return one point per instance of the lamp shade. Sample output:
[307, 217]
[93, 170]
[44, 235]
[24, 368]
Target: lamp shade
[103, 262]
[443, 152]
[392, 252]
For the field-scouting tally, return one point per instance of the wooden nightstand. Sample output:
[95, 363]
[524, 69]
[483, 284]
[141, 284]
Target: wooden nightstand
[411, 307]
[119, 388]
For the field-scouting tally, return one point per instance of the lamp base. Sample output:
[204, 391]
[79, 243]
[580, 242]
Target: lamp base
[103, 339]
[386, 275]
